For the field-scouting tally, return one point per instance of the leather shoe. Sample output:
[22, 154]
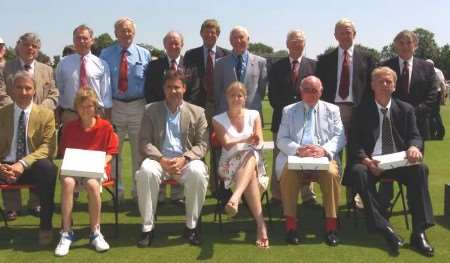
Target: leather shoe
[36, 211]
[292, 237]
[332, 239]
[178, 202]
[11, 215]
[192, 235]
[145, 239]
[419, 242]
[393, 240]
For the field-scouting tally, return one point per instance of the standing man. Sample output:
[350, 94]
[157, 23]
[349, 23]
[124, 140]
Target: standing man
[173, 140]
[27, 147]
[154, 90]
[310, 128]
[82, 70]
[243, 66]
[284, 82]
[201, 61]
[4, 98]
[46, 94]
[345, 75]
[385, 125]
[127, 63]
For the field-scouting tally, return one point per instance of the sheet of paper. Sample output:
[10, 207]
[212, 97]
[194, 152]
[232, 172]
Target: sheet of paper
[83, 163]
[308, 163]
[392, 160]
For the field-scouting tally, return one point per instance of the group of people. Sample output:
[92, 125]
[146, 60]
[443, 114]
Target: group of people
[171, 108]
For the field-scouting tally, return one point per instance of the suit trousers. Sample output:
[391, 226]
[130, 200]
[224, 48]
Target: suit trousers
[194, 178]
[292, 180]
[42, 173]
[307, 190]
[127, 117]
[416, 180]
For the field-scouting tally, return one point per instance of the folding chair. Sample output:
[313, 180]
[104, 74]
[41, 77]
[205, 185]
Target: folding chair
[400, 195]
[12, 187]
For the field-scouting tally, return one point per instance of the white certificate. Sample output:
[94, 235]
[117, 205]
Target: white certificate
[83, 163]
[308, 163]
[392, 160]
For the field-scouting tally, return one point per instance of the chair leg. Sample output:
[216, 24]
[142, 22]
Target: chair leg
[405, 211]
[116, 199]
[2, 212]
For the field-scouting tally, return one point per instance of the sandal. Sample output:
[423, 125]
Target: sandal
[231, 208]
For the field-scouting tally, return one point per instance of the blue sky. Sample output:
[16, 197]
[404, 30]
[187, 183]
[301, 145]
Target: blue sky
[377, 22]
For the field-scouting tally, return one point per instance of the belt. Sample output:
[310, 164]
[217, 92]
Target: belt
[128, 100]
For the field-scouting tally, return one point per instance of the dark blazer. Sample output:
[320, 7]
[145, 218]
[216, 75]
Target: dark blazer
[366, 128]
[422, 90]
[281, 88]
[194, 60]
[154, 77]
[327, 68]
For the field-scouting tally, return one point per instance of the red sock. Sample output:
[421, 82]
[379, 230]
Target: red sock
[330, 224]
[291, 223]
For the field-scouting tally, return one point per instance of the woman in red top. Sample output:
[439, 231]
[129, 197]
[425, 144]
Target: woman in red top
[88, 132]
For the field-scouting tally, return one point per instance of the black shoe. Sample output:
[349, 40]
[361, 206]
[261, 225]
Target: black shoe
[178, 202]
[11, 215]
[292, 237]
[419, 242]
[393, 240]
[332, 239]
[312, 203]
[192, 235]
[145, 240]
[36, 211]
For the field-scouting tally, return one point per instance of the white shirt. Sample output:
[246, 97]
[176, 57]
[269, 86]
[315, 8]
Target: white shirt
[31, 70]
[291, 60]
[340, 61]
[67, 77]
[410, 65]
[377, 149]
[11, 157]
[205, 55]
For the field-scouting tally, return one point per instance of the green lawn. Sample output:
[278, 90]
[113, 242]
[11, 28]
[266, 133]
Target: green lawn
[236, 244]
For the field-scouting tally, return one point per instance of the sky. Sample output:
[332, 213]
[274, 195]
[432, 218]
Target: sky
[377, 22]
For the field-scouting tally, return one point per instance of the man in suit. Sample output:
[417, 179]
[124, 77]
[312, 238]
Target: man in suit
[154, 91]
[243, 66]
[27, 146]
[46, 94]
[310, 128]
[345, 74]
[173, 140]
[200, 62]
[127, 63]
[285, 76]
[385, 125]
[415, 85]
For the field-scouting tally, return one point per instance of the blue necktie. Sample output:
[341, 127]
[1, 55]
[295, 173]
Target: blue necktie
[308, 130]
[239, 68]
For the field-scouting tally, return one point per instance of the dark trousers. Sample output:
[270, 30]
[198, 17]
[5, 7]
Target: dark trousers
[416, 180]
[43, 174]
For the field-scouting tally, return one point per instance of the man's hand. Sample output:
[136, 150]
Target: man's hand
[413, 154]
[11, 173]
[173, 166]
[373, 166]
[311, 151]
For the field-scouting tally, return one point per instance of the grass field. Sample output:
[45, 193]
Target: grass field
[236, 243]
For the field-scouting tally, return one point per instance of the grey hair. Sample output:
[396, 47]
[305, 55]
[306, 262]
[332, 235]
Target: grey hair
[345, 22]
[239, 29]
[23, 75]
[294, 32]
[30, 37]
[173, 33]
[123, 20]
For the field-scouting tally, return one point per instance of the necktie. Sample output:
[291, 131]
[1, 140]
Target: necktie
[239, 68]
[27, 67]
[294, 72]
[387, 141]
[345, 77]
[21, 148]
[404, 81]
[173, 64]
[209, 79]
[308, 129]
[123, 72]
[83, 73]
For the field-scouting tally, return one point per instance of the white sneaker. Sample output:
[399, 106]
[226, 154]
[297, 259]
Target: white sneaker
[98, 241]
[63, 246]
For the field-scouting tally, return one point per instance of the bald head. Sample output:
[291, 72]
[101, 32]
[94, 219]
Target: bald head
[311, 90]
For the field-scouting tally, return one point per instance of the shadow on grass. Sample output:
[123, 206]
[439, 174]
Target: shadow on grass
[443, 221]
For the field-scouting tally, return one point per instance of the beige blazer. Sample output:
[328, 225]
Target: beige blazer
[46, 91]
[194, 131]
[41, 138]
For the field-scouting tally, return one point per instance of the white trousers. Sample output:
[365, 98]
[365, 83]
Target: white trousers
[194, 178]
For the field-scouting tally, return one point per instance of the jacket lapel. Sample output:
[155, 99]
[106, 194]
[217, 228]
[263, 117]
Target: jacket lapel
[184, 125]
[9, 119]
[33, 123]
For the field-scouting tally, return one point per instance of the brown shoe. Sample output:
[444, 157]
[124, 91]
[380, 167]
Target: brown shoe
[45, 237]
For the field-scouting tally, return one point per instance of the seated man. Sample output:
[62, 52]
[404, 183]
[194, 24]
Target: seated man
[385, 125]
[27, 145]
[310, 128]
[173, 140]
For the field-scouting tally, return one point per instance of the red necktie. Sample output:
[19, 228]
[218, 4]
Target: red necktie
[173, 64]
[209, 79]
[404, 81]
[345, 77]
[294, 72]
[123, 72]
[83, 73]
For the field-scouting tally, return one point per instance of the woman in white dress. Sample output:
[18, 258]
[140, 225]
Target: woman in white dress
[241, 164]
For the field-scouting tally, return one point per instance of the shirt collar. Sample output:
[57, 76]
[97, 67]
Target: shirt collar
[22, 63]
[177, 60]
[409, 61]
[292, 60]
[27, 110]
[244, 55]
[388, 106]
[349, 50]
[307, 107]
[130, 50]
[177, 111]
[213, 49]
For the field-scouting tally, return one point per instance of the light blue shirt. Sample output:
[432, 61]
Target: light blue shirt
[138, 59]
[172, 146]
[244, 63]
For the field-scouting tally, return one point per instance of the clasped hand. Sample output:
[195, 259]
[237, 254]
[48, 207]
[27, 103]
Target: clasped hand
[11, 173]
[173, 166]
[311, 150]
